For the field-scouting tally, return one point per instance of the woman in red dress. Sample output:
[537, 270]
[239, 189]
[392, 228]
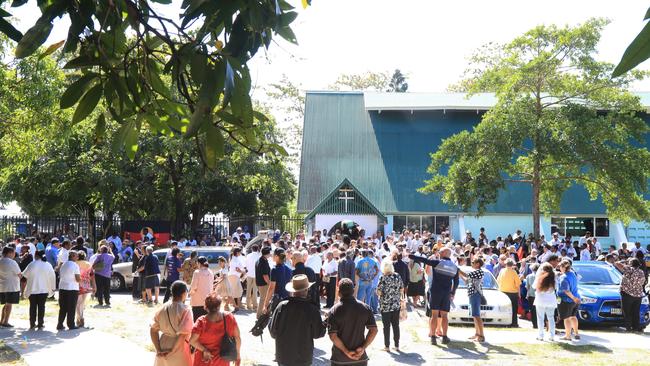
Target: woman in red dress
[208, 332]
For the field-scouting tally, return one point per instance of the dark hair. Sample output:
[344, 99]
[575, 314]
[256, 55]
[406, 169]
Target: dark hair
[193, 254]
[639, 255]
[255, 247]
[548, 281]
[82, 255]
[175, 252]
[552, 257]
[266, 250]
[213, 303]
[478, 260]
[202, 260]
[346, 288]
[634, 263]
[80, 240]
[39, 254]
[178, 288]
[7, 250]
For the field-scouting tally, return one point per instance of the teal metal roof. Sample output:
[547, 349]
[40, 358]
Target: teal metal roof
[345, 199]
[386, 154]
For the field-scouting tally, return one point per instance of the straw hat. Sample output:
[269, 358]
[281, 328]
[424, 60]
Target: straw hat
[298, 283]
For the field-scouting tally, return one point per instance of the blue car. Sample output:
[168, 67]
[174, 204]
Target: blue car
[599, 288]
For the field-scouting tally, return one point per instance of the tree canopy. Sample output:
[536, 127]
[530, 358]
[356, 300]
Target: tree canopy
[181, 77]
[397, 83]
[559, 120]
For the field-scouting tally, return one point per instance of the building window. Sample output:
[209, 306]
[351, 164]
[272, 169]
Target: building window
[577, 226]
[434, 224]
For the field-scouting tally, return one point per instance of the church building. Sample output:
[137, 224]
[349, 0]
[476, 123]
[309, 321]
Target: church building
[365, 155]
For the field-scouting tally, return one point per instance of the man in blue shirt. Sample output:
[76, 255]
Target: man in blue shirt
[280, 276]
[568, 293]
[367, 270]
[441, 293]
[52, 252]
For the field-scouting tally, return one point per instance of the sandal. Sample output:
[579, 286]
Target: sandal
[480, 339]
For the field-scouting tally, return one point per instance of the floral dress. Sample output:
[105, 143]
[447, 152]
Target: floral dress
[391, 289]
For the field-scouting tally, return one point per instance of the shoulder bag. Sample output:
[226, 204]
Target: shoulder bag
[228, 349]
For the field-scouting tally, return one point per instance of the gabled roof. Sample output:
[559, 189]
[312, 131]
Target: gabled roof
[353, 202]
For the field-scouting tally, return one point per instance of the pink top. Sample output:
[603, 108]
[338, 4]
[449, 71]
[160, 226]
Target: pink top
[201, 286]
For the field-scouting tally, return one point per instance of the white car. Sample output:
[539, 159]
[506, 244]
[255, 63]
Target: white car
[496, 312]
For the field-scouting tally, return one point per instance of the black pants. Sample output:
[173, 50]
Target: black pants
[103, 293]
[514, 301]
[168, 290]
[197, 312]
[67, 307]
[137, 286]
[390, 318]
[631, 308]
[330, 291]
[36, 309]
[533, 311]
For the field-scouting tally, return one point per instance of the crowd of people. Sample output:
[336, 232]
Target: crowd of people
[283, 279]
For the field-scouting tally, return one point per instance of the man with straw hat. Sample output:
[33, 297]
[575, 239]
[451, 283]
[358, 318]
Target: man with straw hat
[295, 323]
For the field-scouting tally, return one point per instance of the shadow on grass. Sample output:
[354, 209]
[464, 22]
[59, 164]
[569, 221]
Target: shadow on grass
[476, 351]
[583, 349]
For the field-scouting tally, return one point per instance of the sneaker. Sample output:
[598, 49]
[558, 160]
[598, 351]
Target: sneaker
[60, 327]
[541, 339]
[445, 339]
[386, 349]
[433, 340]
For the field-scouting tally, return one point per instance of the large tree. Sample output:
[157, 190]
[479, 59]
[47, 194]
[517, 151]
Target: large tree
[397, 83]
[559, 120]
[155, 70]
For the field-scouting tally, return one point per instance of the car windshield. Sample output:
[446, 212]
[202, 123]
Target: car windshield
[597, 275]
[489, 282]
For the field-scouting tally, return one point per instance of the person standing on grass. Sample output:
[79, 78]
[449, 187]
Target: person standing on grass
[102, 268]
[172, 271]
[570, 300]
[390, 291]
[294, 325]
[545, 300]
[200, 288]
[41, 283]
[171, 329]
[347, 323]
[150, 269]
[70, 277]
[474, 280]
[444, 283]
[509, 283]
[251, 285]
[632, 292]
[87, 286]
[9, 284]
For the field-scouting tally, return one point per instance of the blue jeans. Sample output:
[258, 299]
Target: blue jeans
[365, 292]
[550, 316]
[374, 300]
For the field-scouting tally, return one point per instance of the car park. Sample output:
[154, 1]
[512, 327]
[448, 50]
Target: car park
[599, 288]
[497, 311]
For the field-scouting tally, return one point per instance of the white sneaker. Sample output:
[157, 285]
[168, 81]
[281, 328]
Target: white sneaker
[541, 339]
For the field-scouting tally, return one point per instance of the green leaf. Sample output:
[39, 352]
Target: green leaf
[76, 90]
[198, 66]
[87, 103]
[131, 141]
[287, 33]
[11, 32]
[207, 99]
[637, 52]
[647, 15]
[81, 61]
[214, 145]
[53, 47]
[100, 128]
[4, 13]
[34, 38]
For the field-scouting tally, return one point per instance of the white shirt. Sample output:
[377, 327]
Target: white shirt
[63, 255]
[635, 249]
[201, 286]
[314, 262]
[9, 272]
[251, 260]
[330, 267]
[182, 244]
[585, 255]
[598, 247]
[40, 278]
[236, 262]
[67, 279]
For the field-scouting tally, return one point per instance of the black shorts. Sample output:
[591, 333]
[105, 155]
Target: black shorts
[439, 301]
[9, 297]
[567, 310]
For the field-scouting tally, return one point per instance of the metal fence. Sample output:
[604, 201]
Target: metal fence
[217, 227]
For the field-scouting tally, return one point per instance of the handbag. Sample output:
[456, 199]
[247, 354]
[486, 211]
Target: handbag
[403, 313]
[228, 349]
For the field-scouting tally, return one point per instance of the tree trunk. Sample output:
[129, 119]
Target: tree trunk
[536, 189]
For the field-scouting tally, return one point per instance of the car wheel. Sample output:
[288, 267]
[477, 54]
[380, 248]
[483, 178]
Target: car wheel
[117, 282]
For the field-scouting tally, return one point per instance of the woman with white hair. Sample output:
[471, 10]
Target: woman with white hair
[389, 290]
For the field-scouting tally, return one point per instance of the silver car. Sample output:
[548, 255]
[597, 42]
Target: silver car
[122, 277]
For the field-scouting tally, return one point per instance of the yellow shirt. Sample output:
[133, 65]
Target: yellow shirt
[508, 280]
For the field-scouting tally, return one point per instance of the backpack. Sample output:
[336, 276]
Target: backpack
[261, 323]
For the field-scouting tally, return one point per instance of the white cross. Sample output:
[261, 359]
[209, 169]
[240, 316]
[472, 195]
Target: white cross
[345, 198]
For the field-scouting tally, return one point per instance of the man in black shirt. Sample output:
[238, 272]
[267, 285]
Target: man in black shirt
[347, 322]
[295, 323]
[300, 268]
[262, 276]
[346, 266]
[402, 269]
